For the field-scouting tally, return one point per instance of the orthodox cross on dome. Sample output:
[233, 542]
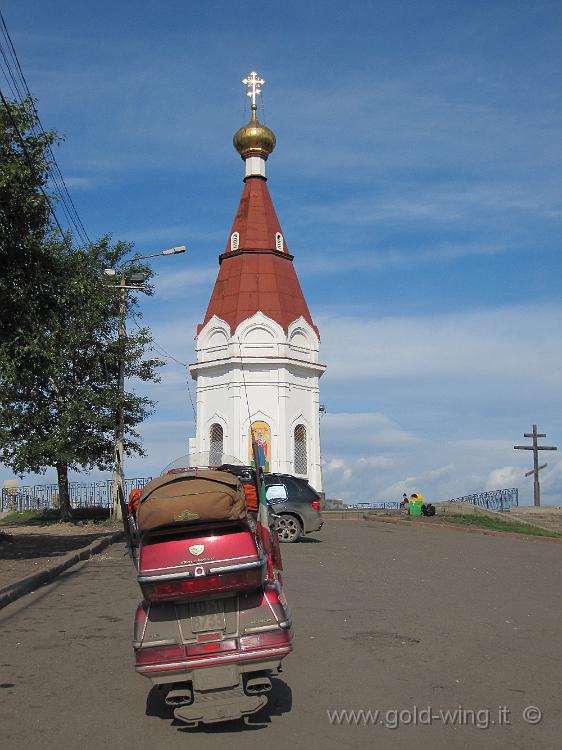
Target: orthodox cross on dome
[254, 84]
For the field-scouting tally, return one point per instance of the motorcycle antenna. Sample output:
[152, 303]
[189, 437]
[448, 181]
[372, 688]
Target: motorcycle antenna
[263, 521]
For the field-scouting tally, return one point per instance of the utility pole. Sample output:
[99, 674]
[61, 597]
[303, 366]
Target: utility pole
[118, 473]
[536, 468]
[137, 279]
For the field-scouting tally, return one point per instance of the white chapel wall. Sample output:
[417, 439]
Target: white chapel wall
[274, 373]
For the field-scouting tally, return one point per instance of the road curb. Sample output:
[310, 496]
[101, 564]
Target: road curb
[25, 585]
[464, 530]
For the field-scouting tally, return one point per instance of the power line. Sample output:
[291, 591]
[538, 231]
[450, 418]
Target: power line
[30, 163]
[167, 354]
[48, 169]
[245, 388]
[252, 438]
[10, 79]
[55, 173]
[58, 178]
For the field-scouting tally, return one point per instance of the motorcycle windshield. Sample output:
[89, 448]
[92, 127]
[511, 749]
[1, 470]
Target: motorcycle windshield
[206, 460]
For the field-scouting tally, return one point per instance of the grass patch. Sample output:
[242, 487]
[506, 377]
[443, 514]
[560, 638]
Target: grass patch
[109, 522]
[498, 524]
[52, 515]
[47, 515]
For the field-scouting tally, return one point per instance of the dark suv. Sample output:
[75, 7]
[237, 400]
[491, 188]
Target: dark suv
[296, 504]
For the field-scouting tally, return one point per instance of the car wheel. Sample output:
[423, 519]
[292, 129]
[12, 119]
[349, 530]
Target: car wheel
[289, 528]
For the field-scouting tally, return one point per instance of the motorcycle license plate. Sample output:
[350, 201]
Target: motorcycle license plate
[207, 616]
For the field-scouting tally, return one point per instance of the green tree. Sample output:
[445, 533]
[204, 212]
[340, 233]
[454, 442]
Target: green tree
[59, 356]
[28, 279]
[59, 398]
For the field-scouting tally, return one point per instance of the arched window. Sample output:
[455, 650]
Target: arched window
[234, 240]
[216, 445]
[301, 465]
[279, 242]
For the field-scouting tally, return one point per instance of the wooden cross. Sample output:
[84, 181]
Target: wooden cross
[536, 468]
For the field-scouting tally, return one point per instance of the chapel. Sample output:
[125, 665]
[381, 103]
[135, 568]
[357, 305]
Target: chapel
[257, 365]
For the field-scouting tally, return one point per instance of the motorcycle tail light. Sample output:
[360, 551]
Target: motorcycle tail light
[315, 504]
[140, 620]
[242, 580]
[159, 654]
[170, 654]
[203, 649]
[275, 638]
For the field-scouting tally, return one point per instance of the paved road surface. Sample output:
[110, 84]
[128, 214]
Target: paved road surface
[386, 617]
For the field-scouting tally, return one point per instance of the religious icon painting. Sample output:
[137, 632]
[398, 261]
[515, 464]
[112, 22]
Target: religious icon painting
[262, 438]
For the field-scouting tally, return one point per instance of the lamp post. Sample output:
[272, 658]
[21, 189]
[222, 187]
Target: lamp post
[123, 287]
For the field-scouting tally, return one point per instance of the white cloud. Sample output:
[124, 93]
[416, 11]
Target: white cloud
[393, 259]
[376, 462]
[453, 203]
[363, 430]
[78, 183]
[164, 440]
[503, 477]
[178, 234]
[443, 472]
[504, 344]
[431, 464]
[174, 284]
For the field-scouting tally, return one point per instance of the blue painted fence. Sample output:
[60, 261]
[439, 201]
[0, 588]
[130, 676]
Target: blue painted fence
[82, 495]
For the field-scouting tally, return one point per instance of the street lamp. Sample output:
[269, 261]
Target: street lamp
[137, 280]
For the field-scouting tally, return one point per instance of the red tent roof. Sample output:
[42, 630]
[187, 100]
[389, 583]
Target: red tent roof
[256, 221]
[256, 276]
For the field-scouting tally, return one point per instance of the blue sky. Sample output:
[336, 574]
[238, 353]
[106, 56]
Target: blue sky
[417, 178]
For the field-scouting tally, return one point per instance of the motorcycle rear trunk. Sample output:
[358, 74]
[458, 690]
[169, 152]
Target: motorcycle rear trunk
[195, 561]
[211, 628]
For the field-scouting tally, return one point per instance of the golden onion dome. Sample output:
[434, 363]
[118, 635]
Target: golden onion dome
[254, 139]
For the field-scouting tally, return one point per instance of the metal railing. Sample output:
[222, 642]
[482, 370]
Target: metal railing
[381, 505]
[501, 500]
[82, 495]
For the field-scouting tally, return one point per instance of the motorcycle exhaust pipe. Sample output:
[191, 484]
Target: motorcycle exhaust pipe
[181, 697]
[258, 684]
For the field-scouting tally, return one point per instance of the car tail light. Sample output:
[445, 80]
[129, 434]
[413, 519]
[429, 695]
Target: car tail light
[275, 638]
[241, 580]
[315, 504]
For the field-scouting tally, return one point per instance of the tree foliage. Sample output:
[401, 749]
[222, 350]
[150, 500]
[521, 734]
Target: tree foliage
[28, 265]
[59, 355]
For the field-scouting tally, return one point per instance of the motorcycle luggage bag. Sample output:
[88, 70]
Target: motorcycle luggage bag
[196, 498]
[251, 497]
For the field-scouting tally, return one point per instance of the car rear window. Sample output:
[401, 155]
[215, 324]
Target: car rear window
[297, 489]
[306, 491]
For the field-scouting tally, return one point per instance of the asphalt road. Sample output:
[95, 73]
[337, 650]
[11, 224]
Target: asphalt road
[387, 618]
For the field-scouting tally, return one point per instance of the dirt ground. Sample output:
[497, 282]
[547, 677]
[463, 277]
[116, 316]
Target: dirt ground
[26, 549]
[548, 518]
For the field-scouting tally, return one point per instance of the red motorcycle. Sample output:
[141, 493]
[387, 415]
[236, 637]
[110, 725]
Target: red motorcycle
[214, 624]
